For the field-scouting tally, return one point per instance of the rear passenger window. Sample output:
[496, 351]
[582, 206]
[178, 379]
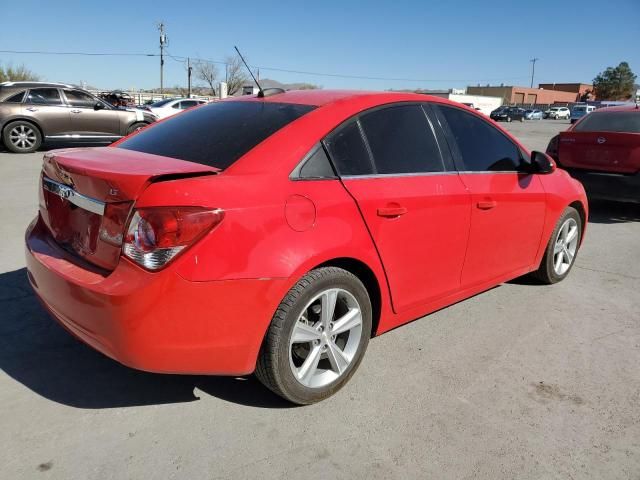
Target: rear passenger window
[348, 151]
[482, 146]
[401, 140]
[17, 98]
[44, 96]
[317, 165]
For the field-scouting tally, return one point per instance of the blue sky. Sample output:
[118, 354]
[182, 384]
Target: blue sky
[443, 44]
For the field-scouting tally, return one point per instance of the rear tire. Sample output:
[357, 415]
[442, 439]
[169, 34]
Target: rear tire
[308, 355]
[562, 249]
[22, 137]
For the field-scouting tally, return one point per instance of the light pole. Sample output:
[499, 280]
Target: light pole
[533, 69]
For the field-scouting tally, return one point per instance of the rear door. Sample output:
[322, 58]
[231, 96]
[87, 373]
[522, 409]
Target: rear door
[415, 206]
[86, 121]
[508, 205]
[46, 108]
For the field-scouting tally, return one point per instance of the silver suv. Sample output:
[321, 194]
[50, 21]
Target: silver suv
[33, 113]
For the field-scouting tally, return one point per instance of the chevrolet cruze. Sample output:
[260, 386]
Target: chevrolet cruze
[277, 233]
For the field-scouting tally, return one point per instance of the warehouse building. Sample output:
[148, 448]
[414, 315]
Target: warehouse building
[525, 95]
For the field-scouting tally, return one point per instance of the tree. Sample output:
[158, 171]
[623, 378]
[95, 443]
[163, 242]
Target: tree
[615, 83]
[16, 74]
[236, 76]
[207, 72]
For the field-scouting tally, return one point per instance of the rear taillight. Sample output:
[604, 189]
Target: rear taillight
[113, 222]
[156, 235]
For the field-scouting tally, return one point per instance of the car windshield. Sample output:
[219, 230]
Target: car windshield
[579, 109]
[162, 103]
[623, 122]
[217, 134]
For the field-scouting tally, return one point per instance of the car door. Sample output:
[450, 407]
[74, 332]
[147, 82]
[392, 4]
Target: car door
[415, 206]
[508, 204]
[86, 120]
[46, 108]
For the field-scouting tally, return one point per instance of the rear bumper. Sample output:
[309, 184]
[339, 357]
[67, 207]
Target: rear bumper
[156, 322]
[609, 186]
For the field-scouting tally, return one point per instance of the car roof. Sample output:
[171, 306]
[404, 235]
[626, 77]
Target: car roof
[36, 84]
[620, 108]
[322, 98]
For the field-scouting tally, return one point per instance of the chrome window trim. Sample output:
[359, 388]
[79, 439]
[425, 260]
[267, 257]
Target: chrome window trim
[429, 174]
[67, 193]
[392, 175]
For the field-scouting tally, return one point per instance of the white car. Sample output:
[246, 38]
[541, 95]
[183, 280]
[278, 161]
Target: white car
[171, 106]
[557, 113]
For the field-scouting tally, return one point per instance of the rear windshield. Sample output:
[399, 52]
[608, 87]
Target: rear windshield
[216, 134]
[625, 122]
[579, 109]
[161, 103]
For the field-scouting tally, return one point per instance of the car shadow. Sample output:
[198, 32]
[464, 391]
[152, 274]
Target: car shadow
[42, 356]
[607, 211]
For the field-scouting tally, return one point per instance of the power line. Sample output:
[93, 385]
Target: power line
[276, 69]
[93, 54]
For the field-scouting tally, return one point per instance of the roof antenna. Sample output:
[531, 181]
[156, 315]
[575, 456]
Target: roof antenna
[260, 91]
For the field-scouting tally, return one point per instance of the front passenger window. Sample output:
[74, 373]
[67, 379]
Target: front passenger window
[76, 98]
[483, 147]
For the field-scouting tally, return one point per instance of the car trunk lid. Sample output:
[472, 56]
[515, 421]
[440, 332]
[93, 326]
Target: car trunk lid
[614, 152]
[86, 196]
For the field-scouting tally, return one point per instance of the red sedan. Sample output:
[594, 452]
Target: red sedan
[602, 150]
[277, 234]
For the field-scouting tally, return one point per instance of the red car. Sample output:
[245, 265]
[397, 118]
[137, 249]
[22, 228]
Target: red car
[602, 150]
[277, 234]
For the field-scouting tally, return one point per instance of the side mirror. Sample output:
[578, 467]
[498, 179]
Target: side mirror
[98, 106]
[542, 163]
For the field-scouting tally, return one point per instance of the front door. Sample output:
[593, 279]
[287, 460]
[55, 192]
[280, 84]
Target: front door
[415, 207]
[86, 121]
[508, 205]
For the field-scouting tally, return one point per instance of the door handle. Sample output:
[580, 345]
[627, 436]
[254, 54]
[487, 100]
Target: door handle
[487, 204]
[32, 109]
[76, 111]
[391, 212]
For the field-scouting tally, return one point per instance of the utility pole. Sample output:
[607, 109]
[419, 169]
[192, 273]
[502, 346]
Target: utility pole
[189, 69]
[533, 69]
[163, 43]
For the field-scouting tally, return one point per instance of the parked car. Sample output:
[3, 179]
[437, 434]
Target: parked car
[171, 106]
[508, 114]
[579, 111]
[602, 150]
[557, 113]
[33, 113]
[118, 98]
[297, 226]
[533, 114]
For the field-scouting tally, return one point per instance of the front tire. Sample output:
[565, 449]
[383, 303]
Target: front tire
[508, 119]
[135, 127]
[562, 249]
[22, 137]
[317, 337]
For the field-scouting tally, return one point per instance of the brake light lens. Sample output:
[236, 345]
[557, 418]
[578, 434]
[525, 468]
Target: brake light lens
[157, 235]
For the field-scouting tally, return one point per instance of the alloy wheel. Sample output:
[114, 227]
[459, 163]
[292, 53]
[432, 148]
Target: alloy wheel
[325, 338]
[23, 137]
[565, 247]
